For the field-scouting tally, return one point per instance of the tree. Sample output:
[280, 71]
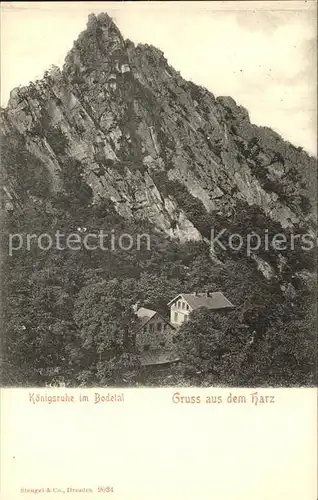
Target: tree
[156, 291]
[104, 315]
[211, 345]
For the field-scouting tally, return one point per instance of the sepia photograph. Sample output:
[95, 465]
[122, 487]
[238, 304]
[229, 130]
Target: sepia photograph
[158, 194]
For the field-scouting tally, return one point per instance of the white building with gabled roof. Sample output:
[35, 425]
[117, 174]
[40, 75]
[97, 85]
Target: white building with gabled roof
[184, 303]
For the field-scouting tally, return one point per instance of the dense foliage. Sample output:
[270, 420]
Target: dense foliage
[68, 317]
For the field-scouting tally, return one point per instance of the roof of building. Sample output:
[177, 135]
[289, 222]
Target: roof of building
[158, 357]
[144, 315]
[143, 312]
[214, 300]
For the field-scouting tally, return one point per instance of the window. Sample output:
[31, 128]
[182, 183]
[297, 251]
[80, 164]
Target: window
[159, 327]
[187, 307]
[176, 317]
[146, 347]
[183, 305]
[151, 328]
[178, 304]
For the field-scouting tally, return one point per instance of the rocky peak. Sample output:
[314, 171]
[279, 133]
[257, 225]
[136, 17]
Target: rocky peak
[139, 130]
[102, 35]
[99, 52]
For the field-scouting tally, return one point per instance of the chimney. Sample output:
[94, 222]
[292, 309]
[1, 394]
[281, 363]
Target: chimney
[136, 307]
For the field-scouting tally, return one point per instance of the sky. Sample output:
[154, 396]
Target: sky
[263, 54]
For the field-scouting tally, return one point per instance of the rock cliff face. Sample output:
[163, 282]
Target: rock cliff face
[134, 124]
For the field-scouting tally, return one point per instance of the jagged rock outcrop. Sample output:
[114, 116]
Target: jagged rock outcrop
[134, 124]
